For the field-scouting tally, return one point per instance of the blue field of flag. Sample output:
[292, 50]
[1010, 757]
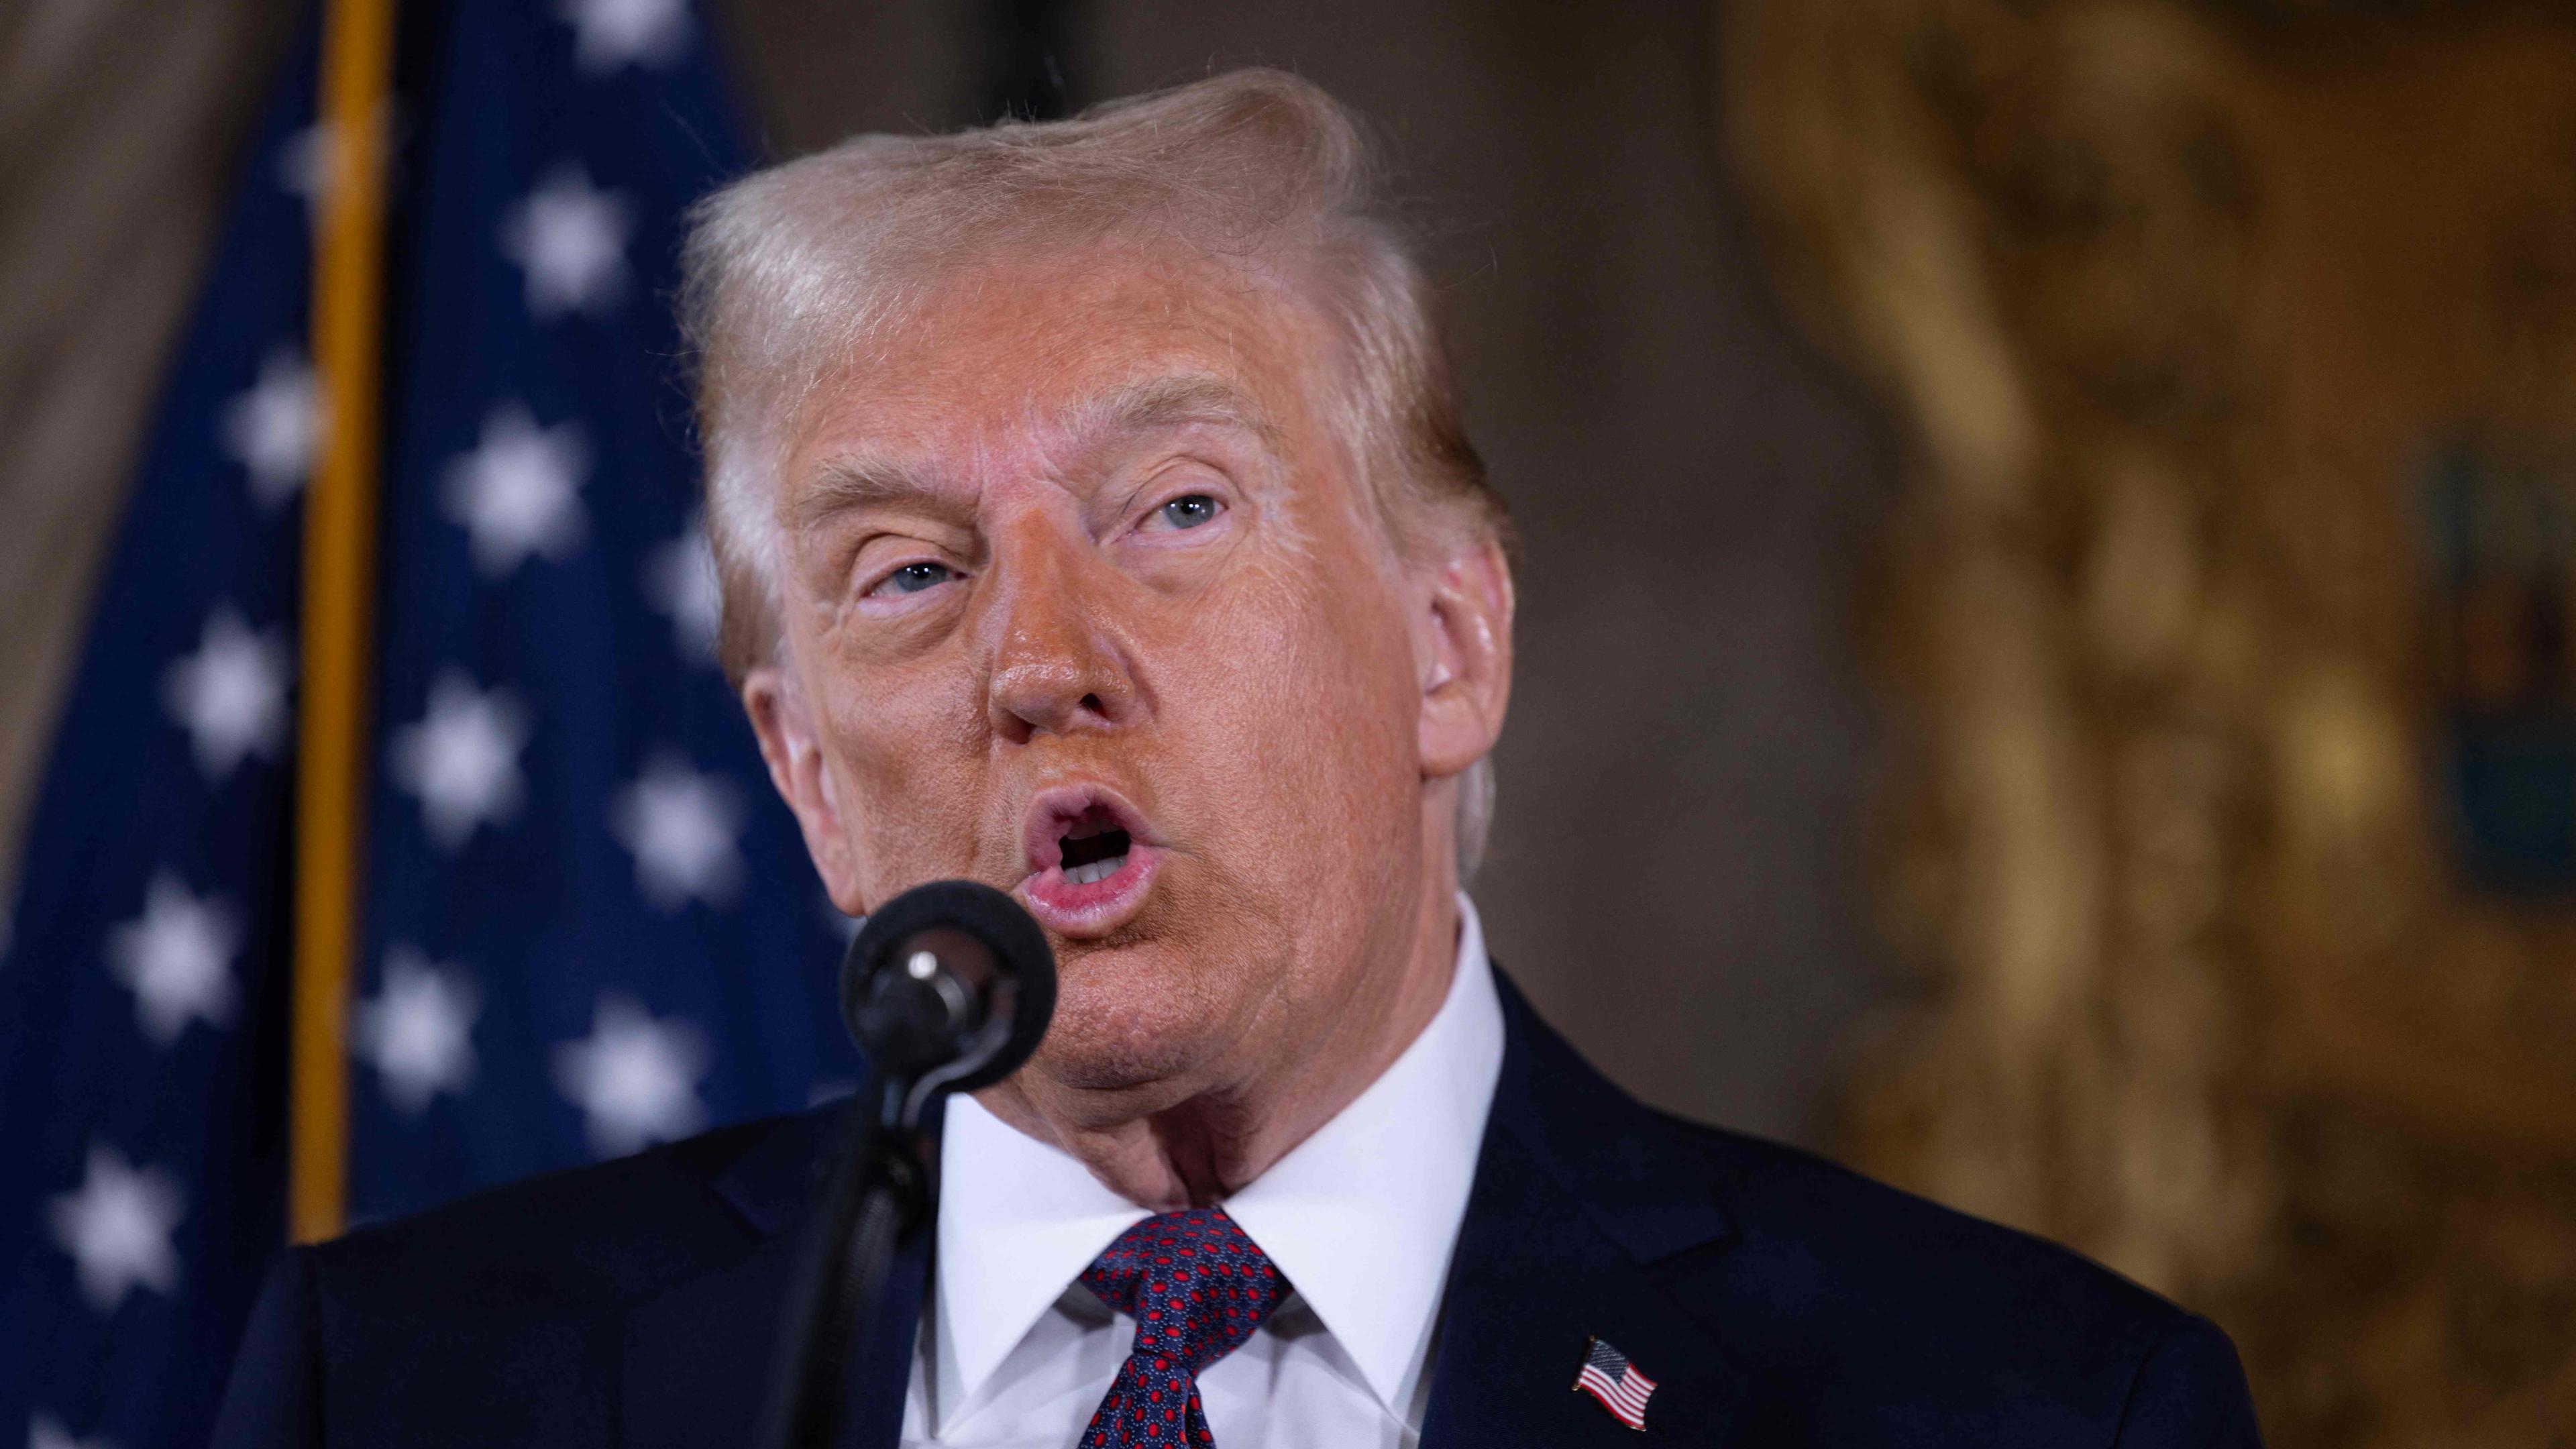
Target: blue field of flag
[588, 925]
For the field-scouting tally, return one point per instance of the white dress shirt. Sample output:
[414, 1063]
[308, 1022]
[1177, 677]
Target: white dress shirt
[1360, 1217]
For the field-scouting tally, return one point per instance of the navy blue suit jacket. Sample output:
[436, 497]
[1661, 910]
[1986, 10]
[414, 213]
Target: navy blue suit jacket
[1774, 1298]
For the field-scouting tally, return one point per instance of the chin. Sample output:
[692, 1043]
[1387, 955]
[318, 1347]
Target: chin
[1132, 1014]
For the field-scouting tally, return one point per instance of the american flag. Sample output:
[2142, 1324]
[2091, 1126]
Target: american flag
[1608, 1376]
[586, 923]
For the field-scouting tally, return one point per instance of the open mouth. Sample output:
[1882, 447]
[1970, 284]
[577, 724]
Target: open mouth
[1095, 847]
[1091, 859]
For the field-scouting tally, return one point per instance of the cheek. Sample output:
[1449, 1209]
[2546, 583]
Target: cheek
[1301, 687]
[909, 756]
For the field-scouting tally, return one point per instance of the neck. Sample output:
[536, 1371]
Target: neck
[1212, 1142]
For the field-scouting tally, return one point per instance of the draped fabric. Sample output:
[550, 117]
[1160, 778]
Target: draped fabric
[587, 924]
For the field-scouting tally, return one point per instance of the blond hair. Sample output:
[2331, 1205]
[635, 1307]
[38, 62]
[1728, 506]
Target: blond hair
[793, 275]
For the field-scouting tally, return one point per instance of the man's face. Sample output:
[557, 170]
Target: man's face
[1081, 600]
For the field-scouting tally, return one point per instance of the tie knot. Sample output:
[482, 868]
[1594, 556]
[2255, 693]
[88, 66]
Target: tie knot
[1196, 1286]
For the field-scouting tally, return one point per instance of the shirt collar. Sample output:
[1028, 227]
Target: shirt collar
[1360, 1216]
[1019, 1219]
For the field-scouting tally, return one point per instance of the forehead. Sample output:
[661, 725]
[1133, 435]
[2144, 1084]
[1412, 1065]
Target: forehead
[1016, 352]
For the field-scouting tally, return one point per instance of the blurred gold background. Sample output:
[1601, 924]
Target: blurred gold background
[2049, 580]
[2227, 618]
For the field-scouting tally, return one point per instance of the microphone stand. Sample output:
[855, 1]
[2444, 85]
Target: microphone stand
[881, 1189]
[949, 987]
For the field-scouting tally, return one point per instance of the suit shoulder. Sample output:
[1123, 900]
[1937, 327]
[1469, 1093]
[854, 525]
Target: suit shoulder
[596, 1235]
[1882, 1244]
[1931, 1305]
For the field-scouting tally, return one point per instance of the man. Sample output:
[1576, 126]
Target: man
[1094, 521]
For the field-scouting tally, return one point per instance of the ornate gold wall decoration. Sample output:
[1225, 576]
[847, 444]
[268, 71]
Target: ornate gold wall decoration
[2232, 847]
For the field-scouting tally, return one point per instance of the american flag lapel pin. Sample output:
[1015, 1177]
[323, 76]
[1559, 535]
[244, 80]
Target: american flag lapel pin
[1608, 1376]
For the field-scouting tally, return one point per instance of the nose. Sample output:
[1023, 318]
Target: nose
[1057, 667]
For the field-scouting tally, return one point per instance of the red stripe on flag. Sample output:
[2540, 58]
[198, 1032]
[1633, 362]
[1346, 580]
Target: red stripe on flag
[1625, 1403]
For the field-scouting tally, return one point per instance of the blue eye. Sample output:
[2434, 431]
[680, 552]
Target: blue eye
[912, 578]
[1189, 511]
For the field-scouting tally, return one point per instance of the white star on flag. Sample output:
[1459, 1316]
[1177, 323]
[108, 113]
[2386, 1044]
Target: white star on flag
[274, 428]
[570, 238]
[681, 825]
[419, 1029]
[230, 696]
[462, 759]
[613, 33]
[517, 492]
[305, 161]
[308, 161]
[634, 1078]
[177, 959]
[47, 1432]
[117, 1228]
[680, 579]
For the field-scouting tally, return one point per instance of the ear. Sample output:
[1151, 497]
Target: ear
[784, 724]
[1463, 656]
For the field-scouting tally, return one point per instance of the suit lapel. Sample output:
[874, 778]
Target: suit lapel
[1583, 1200]
[1580, 1195]
[696, 1359]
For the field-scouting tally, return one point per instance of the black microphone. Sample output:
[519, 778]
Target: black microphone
[947, 988]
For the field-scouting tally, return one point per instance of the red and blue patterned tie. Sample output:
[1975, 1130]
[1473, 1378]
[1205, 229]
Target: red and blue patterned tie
[1197, 1288]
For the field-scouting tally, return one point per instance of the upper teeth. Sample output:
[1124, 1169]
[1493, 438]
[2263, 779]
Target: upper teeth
[1097, 870]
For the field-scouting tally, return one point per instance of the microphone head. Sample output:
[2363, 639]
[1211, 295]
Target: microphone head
[948, 986]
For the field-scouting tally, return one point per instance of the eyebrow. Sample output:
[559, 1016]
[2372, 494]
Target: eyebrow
[866, 479]
[1173, 400]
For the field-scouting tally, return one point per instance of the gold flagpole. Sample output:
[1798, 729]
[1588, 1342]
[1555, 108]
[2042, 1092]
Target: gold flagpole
[339, 598]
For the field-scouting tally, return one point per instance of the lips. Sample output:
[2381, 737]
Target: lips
[1091, 860]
